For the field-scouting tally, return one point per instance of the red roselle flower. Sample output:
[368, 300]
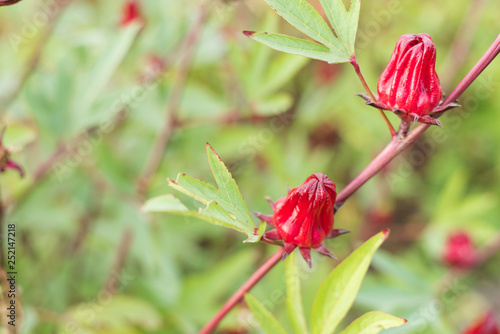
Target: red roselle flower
[304, 218]
[459, 252]
[131, 12]
[5, 161]
[409, 85]
[486, 324]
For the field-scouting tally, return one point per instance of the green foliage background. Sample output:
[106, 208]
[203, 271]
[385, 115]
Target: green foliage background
[274, 119]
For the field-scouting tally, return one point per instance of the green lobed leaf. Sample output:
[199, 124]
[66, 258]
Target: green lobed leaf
[338, 291]
[212, 213]
[224, 205]
[343, 21]
[373, 323]
[294, 305]
[305, 18]
[296, 46]
[265, 318]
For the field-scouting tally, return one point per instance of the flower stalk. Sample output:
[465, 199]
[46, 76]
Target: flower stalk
[355, 64]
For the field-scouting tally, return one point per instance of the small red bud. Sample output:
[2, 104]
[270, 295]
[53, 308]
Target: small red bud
[459, 252]
[131, 12]
[486, 324]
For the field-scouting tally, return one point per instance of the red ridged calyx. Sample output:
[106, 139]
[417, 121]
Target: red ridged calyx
[409, 85]
[304, 218]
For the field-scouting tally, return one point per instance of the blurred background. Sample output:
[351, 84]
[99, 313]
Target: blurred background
[103, 103]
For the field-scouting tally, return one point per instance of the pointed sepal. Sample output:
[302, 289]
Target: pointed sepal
[288, 249]
[267, 218]
[336, 232]
[306, 254]
[323, 250]
[272, 235]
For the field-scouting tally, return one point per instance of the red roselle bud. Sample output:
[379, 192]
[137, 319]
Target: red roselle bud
[459, 252]
[409, 85]
[486, 324]
[131, 12]
[304, 218]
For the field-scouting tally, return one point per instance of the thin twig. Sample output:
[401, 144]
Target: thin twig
[121, 255]
[161, 142]
[238, 295]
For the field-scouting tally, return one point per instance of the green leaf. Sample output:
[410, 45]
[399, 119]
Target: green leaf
[212, 213]
[265, 318]
[373, 323]
[296, 46]
[294, 305]
[164, 203]
[338, 291]
[102, 71]
[224, 205]
[344, 22]
[305, 18]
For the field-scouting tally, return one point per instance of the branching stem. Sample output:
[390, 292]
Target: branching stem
[395, 146]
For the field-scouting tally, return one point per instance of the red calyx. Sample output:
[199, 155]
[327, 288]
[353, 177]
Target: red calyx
[304, 218]
[486, 324]
[409, 85]
[459, 252]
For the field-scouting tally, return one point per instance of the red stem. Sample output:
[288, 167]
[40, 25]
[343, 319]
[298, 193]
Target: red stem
[238, 295]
